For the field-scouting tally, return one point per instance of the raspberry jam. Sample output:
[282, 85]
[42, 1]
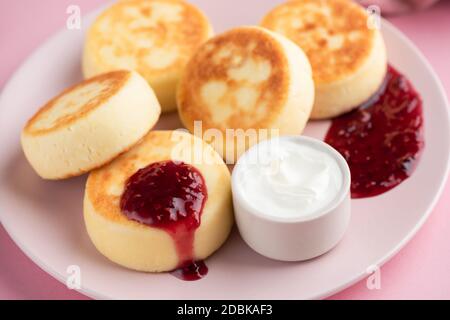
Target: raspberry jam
[382, 139]
[169, 195]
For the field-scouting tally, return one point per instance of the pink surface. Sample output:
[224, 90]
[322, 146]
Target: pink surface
[419, 271]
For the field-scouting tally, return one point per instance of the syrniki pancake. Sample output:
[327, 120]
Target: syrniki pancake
[346, 51]
[142, 247]
[89, 124]
[153, 37]
[249, 80]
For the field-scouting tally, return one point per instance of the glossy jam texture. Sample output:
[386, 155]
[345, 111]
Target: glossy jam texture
[381, 139]
[169, 195]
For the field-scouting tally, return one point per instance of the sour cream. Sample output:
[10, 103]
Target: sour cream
[287, 179]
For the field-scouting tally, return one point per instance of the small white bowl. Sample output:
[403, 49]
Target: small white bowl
[293, 238]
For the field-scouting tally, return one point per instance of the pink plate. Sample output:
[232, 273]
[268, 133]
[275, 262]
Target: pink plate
[45, 218]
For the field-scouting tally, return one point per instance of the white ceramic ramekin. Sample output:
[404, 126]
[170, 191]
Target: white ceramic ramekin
[297, 238]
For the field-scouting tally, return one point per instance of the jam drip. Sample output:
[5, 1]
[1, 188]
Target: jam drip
[169, 195]
[191, 270]
[381, 139]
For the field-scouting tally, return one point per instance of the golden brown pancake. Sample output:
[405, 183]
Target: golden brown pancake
[347, 57]
[75, 102]
[89, 124]
[153, 37]
[248, 78]
[143, 247]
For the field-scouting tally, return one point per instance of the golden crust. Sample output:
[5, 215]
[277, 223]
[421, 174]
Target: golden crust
[105, 186]
[106, 85]
[133, 29]
[333, 34]
[216, 62]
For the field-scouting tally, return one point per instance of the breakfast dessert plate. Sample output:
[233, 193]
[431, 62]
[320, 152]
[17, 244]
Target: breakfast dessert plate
[45, 218]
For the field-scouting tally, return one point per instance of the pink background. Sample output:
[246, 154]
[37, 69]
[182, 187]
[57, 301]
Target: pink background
[419, 271]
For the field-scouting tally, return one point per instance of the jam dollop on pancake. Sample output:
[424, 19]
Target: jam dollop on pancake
[165, 195]
[169, 196]
[163, 205]
[153, 37]
[346, 50]
[246, 79]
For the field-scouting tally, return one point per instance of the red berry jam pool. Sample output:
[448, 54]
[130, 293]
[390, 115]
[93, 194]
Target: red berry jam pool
[169, 195]
[382, 139]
